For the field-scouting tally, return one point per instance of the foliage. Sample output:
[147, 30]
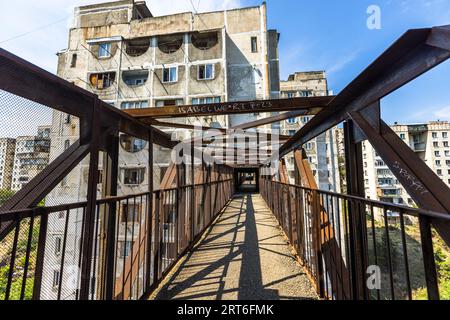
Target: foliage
[6, 246]
[5, 195]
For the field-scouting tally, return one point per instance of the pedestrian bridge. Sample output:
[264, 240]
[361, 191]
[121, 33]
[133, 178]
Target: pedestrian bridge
[244, 255]
[229, 220]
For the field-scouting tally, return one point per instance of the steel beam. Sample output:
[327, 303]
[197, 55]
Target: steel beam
[312, 105]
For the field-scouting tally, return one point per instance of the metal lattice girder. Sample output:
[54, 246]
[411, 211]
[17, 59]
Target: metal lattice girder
[416, 52]
[312, 105]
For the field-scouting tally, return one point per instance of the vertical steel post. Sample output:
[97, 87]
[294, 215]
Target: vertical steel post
[110, 173]
[89, 219]
[357, 219]
[149, 253]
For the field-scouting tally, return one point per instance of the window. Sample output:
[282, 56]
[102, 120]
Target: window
[102, 80]
[125, 248]
[206, 72]
[292, 120]
[67, 118]
[445, 135]
[208, 100]
[56, 276]
[170, 74]
[292, 132]
[402, 136]
[132, 144]
[66, 144]
[58, 245]
[305, 93]
[434, 135]
[134, 105]
[447, 153]
[291, 95]
[135, 77]
[446, 144]
[73, 63]
[104, 50]
[170, 44]
[439, 172]
[254, 43]
[436, 144]
[170, 102]
[134, 176]
[447, 162]
[305, 119]
[137, 47]
[438, 163]
[204, 41]
[437, 154]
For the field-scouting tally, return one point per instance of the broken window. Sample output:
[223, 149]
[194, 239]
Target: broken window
[170, 74]
[206, 72]
[137, 47]
[204, 41]
[254, 43]
[170, 44]
[135, 77]
[102, 80]
[132, 144]
[104, 50]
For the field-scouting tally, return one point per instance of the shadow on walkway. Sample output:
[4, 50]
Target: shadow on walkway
[242, 256]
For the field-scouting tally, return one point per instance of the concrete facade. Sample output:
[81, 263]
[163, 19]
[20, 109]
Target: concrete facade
[7, 149]
[323, 150]
[131, 59]
[430, 141]
[31, 156]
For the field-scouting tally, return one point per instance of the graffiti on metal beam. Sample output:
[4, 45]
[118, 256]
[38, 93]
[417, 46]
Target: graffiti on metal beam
[225, 107]
[410, 178]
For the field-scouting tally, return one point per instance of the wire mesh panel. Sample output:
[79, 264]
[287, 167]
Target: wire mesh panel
[381, 257]
[31, 137]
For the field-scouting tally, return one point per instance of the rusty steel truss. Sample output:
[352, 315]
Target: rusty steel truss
[301, 208]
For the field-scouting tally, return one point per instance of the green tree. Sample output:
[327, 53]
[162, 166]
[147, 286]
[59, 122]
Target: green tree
[5, 195]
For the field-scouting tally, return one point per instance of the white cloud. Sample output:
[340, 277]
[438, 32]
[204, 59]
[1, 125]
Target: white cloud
[40, 45]
[343, 61]
[432, 113]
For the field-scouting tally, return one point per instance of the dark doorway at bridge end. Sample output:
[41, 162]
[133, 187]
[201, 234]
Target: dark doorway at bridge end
[246, 180]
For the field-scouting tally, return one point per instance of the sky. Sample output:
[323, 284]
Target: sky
[315, 35]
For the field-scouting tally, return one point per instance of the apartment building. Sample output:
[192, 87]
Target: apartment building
[31, 156]
[132, 59]
[322, 151]
[430, 141]
[7, 148]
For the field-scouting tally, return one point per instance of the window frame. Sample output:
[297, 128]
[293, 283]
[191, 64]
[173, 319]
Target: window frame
[107, 51]
[254, 44]
[176, 74]
[205, 65]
